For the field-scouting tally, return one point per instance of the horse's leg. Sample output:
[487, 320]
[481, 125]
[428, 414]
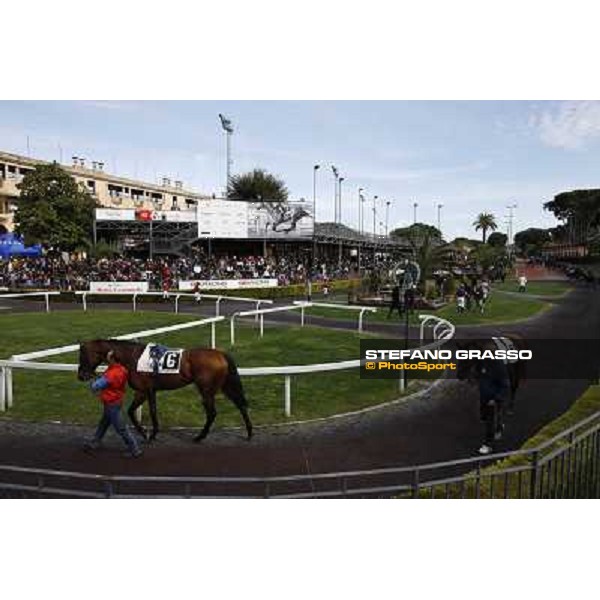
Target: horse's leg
[153, 414]
[233, 389]
[138, 399]
[208, 401]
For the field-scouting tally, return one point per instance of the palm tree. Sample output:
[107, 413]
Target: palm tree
[485, 221]
[257, 185]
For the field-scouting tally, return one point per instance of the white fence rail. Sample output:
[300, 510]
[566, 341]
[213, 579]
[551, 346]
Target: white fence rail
[30, 295]
[177, 295]
[442, 334]
[300, 305]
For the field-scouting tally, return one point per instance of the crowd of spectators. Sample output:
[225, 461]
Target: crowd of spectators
[71, 274]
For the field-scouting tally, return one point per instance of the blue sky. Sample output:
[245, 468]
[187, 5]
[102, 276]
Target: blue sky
[469, 156]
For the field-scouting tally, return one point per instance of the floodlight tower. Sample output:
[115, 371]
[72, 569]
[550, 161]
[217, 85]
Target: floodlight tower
[511, 216]
[336, 175]
[439, 219]
[228, 129]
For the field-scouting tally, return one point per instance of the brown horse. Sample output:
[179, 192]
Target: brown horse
[210, 370]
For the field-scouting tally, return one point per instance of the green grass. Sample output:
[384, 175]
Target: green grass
[500, 308]
[61, 397]
[536, 288]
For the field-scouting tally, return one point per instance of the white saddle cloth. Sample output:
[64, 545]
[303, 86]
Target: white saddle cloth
[504, 343]
[169, 364]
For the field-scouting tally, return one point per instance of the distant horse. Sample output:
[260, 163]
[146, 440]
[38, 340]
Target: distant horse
[209, 370]
[516, 371]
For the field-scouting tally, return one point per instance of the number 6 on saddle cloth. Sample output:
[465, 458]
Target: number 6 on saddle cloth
[159, 359]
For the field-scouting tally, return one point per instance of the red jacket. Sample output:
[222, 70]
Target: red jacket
[116, 375]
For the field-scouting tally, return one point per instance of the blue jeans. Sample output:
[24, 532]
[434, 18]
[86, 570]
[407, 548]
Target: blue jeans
[112, 416]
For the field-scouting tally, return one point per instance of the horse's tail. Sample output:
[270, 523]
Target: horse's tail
[232, 387]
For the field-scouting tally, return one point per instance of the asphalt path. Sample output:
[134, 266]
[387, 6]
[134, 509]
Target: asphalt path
[440, 425]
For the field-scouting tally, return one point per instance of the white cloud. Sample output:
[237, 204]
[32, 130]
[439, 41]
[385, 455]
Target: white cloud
[569, 126]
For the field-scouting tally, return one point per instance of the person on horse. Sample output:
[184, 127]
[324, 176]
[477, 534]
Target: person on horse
[494, 390]
[111, 388]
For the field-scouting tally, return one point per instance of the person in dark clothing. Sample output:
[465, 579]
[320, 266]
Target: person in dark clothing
[395, 305]
[494, 389]
[409, 298]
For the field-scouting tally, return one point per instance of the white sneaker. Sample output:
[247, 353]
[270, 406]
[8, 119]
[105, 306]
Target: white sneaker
[485, 449]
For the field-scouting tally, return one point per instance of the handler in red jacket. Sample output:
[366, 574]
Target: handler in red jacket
[111, 387]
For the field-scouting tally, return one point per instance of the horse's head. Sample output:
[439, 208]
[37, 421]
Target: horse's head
[90, 357]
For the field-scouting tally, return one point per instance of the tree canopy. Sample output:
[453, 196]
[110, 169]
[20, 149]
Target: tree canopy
[54, 210]
[530, 241]
[497, 239]
[417, 234]
[485, 222]
[257, 185]
[580, 209]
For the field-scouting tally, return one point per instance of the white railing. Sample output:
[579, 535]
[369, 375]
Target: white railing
[362, 309]
[31, 294]
[300, 305]
[445, 333]
[22, 361]
[177, 295]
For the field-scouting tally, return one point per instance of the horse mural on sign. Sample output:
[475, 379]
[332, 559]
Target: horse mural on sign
[209, 370]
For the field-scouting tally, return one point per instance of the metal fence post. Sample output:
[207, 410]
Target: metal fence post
[415, 484]
[47, 302]
[213, 335]
[2, 389]
[402, 382]
[177, 304]
[217, 306]
[262, 325]
[360, 321]
[84, 298]
[232, 329]
[288, 396]
[134, 302]
[533, 483]
[9, 388]
[257, 308]
[302, 317]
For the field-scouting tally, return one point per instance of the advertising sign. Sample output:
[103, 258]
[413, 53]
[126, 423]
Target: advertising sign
[292, 219]
[222, 219]
[115, 214]
[226, 284]
[145, 214]
[119, 287]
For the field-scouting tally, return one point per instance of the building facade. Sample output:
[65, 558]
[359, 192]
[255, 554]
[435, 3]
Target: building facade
[110, 191]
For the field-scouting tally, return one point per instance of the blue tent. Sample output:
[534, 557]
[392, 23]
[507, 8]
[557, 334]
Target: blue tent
[12, 245]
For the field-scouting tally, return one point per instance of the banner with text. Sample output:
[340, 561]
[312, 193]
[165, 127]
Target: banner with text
[119, 287]
[226, 284]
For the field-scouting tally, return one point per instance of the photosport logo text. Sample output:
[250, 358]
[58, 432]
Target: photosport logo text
[541, 359]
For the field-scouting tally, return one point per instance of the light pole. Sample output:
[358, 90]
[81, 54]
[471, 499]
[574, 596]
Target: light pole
[228, 128]
[359, 221]
[374, 218]
[511, 216]
[415, 204]
[340, 180]
[315, 169]
[335, 188]
[387, 216]
[439, 209]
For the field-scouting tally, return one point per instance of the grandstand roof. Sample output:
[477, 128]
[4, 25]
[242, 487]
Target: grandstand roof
[337, 231]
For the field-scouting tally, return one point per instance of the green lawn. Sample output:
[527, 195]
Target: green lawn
[536, 288]
[61, 397]
[501, 308]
